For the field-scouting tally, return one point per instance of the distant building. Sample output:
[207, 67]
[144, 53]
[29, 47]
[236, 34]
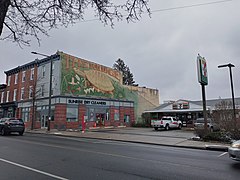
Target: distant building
[81, 90]
[186, 110]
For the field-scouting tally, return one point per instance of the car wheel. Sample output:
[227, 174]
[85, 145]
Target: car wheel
[21, 133]
[180, 126]
[3, 132]
[156, 128]
[167, 127]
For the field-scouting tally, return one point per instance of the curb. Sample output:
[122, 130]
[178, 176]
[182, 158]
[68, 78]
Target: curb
[216, 148]
[206, 147]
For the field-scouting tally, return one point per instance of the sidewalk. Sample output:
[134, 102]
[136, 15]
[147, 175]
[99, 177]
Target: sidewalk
[178, 138]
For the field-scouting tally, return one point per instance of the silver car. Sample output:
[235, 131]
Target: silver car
[234, 151]
[199, 124]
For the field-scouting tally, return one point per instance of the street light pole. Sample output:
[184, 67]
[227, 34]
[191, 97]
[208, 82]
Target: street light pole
[50, 89]
[231, 81]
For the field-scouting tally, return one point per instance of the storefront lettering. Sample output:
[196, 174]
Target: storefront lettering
[75, 101]
[87, 102]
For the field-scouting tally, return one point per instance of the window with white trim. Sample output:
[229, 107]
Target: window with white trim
[30, 92]
[9, 80]
[23, 76]
[2, 97]
[16, 78]
[32, 74]
[22, 93]
[14, 94]
[7, 98]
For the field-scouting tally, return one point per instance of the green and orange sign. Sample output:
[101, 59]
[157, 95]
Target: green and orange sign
[202, 70]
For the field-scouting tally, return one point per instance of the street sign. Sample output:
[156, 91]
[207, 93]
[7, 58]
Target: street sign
[202, 70]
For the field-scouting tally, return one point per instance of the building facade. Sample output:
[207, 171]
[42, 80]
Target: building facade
[187, 111]
[81, 91]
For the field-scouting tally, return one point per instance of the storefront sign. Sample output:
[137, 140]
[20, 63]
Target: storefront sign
[87, 102]
[180, 105]
[202, 70]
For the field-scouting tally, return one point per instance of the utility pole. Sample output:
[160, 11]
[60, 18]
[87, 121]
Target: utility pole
[230, 66]
[50, 89]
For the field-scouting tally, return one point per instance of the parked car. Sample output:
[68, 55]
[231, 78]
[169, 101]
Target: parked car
[199, 124]
[167, 122]
[9, 125]
[234, 151]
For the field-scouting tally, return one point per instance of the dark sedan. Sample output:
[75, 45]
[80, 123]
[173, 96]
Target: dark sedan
[9, 125]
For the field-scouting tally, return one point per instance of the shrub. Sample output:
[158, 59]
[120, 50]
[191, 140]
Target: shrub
[217, 136]
[220, 136]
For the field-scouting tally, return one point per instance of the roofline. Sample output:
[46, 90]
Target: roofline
[31, 64]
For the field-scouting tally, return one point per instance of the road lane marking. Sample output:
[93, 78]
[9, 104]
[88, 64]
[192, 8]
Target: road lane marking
[222, 154]
[32, 169]
[111, 154]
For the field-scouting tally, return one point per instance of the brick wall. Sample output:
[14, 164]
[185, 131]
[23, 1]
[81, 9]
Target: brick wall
[60, 116]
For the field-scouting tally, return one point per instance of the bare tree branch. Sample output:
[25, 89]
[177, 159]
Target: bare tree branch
[24, 19]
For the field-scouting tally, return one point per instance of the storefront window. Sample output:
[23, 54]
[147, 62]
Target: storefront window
[25, 114]
[126, 118]
[91, 114]
[116, 114]
[107, 115]
[72, 113]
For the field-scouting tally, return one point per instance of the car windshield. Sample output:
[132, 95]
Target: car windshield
[166, 118]
[16, 120]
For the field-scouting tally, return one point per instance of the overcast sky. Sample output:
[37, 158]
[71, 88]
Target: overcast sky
[161, 51]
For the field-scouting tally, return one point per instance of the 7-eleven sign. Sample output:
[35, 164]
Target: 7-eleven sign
[202, 70]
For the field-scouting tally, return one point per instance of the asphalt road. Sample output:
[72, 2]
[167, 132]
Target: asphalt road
[35, 156]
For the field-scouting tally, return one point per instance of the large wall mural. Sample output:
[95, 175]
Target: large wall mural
[81, 77]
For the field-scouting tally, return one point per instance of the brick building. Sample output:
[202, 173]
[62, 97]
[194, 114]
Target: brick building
[80, 90]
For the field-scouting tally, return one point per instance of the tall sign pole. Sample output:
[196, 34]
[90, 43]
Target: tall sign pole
[230, 66]
[203, 80]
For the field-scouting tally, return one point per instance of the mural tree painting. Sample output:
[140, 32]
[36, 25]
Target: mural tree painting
[20, 19]
[127, 75]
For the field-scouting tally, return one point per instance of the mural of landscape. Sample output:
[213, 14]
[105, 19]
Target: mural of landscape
[81, 77]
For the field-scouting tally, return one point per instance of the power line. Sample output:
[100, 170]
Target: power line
[178, 7]
[190, 6]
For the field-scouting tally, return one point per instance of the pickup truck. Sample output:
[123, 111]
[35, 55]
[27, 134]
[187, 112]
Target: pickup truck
[167, 123]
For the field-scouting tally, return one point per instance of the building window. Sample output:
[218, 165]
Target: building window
[14, 94]
[2, 97]
[23, 76]
[43, 71]
[30, 92]
[32, 74]
[72, 114]
[126, 118]
[25, 114]
[116, 114]
[91, 116]
[22, 93]
[16, 79]
[42, 90]
[9, 80]
[7, 98]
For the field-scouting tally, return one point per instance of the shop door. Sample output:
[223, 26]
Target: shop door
[44, 121]
[100, 119]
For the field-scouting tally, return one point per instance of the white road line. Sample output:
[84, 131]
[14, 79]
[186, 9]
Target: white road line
[32, 169]
[222, 154]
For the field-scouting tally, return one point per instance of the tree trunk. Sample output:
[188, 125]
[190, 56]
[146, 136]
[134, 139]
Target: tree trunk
[4, 4]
